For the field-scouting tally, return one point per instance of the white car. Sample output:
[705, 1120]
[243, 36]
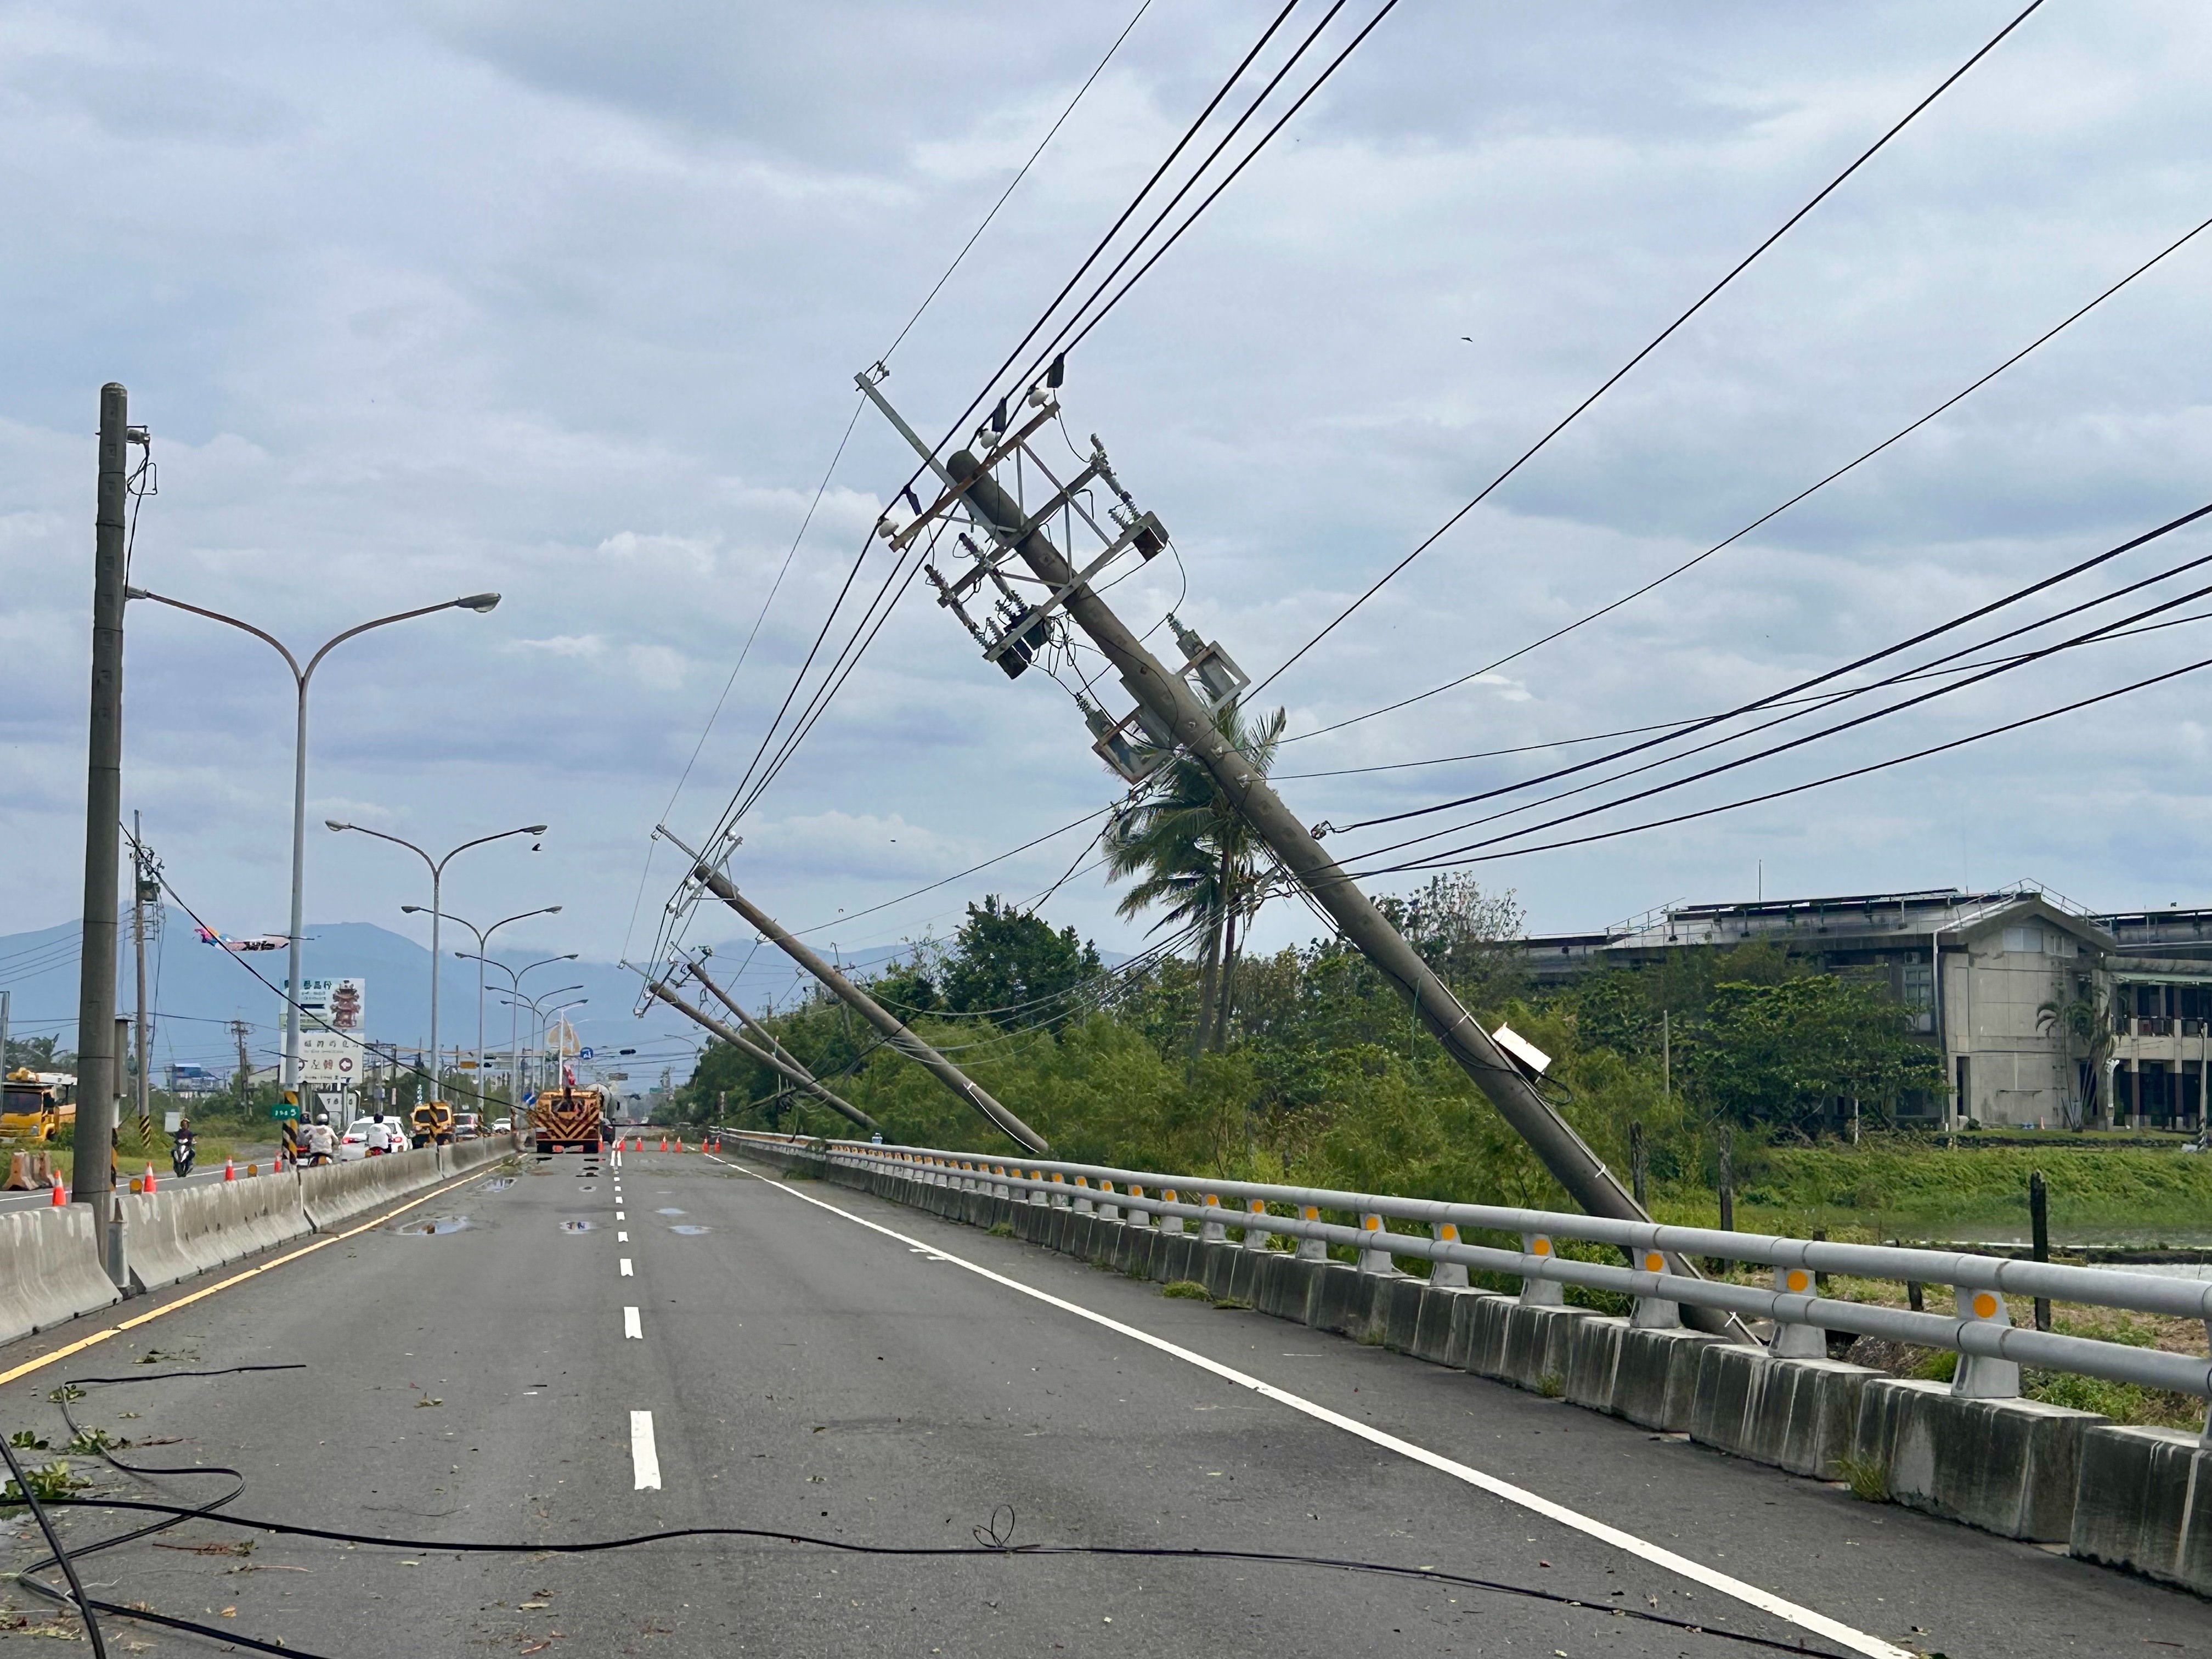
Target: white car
[502, 1126]
[353, 1145]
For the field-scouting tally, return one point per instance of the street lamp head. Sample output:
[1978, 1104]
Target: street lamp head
[478, 603]
[551, 910]
[533, 829]
[404, 909]
[334, 824]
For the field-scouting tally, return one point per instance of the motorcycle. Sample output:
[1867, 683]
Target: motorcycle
[181, 1155]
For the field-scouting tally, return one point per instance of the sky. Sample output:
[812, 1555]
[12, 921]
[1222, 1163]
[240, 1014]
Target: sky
[565, 300]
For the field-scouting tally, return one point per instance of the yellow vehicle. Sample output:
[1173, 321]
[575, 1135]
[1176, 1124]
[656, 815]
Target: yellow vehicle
[36, 1104]
[433, 1123]
[569, 1120]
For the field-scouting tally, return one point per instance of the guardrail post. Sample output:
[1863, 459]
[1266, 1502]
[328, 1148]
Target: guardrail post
[1982, 1376]
[1108, 1211]
[1056, 1199]
[2205, 1438]
[1654, 1313]
[1211, 1231]
[1447, 1275]
[1169, 1224]
[1139, 1217]
[1374, 1261]
[1311, 1249]
[1792, 1338]
[1255, 1236]
[1540, 1293]
[998, 1187]
[1083, 1205]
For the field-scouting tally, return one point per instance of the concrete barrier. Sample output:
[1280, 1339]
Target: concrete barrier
[339, 1193]
[50, 1268]
[2144, 1503]
[2009, 1466]
[1796, 1414]
[172, 1234]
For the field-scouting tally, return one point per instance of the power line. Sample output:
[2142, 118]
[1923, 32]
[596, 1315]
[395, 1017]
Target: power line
[1448, 860]
[1658, 340]
[1770, 514]
[1925, 635]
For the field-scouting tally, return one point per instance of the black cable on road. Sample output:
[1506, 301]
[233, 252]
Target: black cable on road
[1658, 340]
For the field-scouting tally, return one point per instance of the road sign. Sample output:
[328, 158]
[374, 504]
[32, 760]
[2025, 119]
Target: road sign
[583, 1053]
[286, 1111]
[529, 1098]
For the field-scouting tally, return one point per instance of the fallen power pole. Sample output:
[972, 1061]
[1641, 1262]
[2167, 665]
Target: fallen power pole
[797, 1074]
[895, 1031]
[778, 1056]
[1177, 710]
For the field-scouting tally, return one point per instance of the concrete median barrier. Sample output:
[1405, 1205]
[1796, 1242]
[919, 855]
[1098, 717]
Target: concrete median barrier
[2008, 1467]
[50, 1269]
[340, 1192]
[173, 1234]
[2142, 1505]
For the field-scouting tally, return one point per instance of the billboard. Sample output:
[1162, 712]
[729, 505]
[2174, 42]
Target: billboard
[339, 1004]
[334, 1031]
[330, 1060]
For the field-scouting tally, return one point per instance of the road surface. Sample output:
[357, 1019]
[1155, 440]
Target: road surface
[707, 1347]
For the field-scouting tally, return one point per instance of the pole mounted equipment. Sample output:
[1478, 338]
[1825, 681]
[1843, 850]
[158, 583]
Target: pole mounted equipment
[1177, 710]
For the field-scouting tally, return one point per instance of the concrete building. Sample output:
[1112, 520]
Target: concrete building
[2046, 1015]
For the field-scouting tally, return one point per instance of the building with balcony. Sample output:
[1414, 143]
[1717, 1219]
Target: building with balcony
[2046, 1015]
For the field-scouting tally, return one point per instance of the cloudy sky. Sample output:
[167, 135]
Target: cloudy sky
[565, 299]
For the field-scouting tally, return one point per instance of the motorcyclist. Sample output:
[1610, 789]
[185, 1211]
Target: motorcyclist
[380, 1136]
[182, 1149]
[322, 1140]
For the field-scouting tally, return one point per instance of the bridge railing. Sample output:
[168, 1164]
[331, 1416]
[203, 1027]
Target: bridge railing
[1991, 1349]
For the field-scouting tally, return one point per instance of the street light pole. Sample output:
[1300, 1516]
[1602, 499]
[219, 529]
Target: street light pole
[479, 602]
[437, 876]
[530, 1003]
[482, 938]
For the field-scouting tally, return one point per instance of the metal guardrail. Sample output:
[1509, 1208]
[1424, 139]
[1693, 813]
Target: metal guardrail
[1992, 1348]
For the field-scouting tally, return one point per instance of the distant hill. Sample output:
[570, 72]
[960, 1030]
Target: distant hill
[196, 990]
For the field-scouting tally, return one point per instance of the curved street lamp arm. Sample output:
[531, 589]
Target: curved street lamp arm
[425, 910]
[526, 829]
[262, 634]
[488, 962]
[548, 962]
[363, 829]
[338, 640]
[522, 915]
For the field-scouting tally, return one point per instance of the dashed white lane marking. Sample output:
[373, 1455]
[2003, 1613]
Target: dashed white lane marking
[622, 1238]
[630, 1326]
[1751, 1594]
[619, 1216]
[625, 1268]
[644, 1458]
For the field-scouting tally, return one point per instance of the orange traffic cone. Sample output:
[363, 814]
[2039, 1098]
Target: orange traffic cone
[150, 1178]
[229, 1170]
[664, 1143]
[58, 1199]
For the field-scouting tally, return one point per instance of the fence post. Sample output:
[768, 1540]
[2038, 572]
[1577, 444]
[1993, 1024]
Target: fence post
[1794, 1341]
[2039, 1216]
[1255, 1236]
[1446, 1275]
[1374, 1261]
[1983, 1377]
[1540, 1293]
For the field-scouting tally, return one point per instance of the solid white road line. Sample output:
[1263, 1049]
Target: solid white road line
[644, 1458]
[631, 1326]
[625, 1268]
[1806, 1619]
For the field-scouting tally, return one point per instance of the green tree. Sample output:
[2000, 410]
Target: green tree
[2083, 1024]
[1195, 855]
[1782, 1055]
[1009, 965]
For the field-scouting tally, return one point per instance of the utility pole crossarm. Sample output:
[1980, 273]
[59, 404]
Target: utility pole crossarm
[765, 1037]
[894, 1030]
[797, 1074]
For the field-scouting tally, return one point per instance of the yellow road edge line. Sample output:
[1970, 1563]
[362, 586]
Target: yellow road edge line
[153, 1313]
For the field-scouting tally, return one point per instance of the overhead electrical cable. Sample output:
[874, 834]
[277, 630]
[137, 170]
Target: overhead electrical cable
[1658, 340]
[1772, 514]
[1757, 703]
[1446, 860]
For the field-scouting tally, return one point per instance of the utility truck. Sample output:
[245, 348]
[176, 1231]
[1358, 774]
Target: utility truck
[569, 1120]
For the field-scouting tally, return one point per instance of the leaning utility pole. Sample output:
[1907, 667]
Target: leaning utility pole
[1172, 714]
[797, 1074]
[895, 1032]
[759, 1031]
[91, 1179]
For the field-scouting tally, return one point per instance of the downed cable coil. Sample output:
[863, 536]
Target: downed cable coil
[993, 1538]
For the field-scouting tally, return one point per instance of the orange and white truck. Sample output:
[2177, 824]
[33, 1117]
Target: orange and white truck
[569, 1120]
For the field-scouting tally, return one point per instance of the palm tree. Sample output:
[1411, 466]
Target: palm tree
[1197, 856]
[2083, 1023]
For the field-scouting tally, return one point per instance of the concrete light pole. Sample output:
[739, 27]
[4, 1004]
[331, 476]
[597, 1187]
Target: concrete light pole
[437, 875]
[537, 1016]
[482, 934]
[479, 602]
[514, 1020]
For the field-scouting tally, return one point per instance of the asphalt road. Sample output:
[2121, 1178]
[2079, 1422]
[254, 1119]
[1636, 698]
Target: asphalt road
[799, 1371]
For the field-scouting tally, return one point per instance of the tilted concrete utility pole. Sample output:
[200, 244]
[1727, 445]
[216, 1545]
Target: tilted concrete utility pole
[797, 1074]
[97, 1064]
[895, 1032]
[766, 1038]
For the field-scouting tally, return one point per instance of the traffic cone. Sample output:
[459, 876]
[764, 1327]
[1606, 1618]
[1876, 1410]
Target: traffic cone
[150, 1178]
[664, 1143]
[229, 1170]
[58, 1199]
